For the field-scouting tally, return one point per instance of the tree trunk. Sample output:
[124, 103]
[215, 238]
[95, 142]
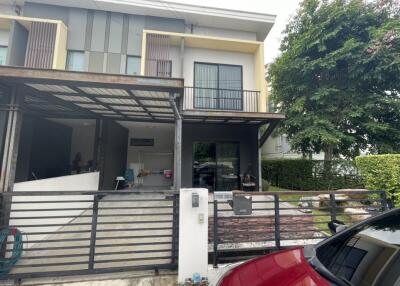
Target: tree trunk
[328, 156]
[328, 153]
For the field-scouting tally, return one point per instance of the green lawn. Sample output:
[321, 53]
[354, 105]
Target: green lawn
[321, 217]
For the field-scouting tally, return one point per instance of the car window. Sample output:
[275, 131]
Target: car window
[369, 255]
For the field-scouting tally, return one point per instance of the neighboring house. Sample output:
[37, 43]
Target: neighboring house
[277, 146]
[148, 85]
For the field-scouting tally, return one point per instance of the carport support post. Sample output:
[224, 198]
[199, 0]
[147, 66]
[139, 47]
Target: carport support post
[178, 144]
[11, 142]
[10, 154]
[178, 154]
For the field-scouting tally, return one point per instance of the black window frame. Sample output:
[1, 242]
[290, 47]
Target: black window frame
[218, 84]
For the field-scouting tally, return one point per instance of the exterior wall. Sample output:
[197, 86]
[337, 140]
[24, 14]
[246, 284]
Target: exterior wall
[17, 47]
[60, 48]
[8, 9]
[44, 149]
[4, 35]
[259, 77]
[175, 57]
[105, 37]
[246, 60]
[153, 158]
[225, 33]
[247, 136]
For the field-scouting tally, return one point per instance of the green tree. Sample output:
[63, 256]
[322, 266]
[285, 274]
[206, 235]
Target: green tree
[337, 79]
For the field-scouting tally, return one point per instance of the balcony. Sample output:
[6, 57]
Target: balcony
[221, 99]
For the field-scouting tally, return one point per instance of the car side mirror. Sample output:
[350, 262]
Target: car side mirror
[336, 226]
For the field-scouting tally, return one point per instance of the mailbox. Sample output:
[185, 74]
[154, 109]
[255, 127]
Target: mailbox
[242, 205]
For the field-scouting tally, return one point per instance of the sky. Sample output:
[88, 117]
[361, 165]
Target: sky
[284, 9]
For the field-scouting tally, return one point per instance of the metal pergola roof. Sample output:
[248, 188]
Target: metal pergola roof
[56, 93]
[69, 94]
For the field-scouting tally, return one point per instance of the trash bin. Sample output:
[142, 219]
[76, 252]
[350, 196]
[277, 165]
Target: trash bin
[242, 205]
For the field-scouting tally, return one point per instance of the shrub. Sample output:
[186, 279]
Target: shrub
[381, 172]
[303, 174]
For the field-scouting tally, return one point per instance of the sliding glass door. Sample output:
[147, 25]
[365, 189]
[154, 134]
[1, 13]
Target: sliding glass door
[218, 86]
[216, 165]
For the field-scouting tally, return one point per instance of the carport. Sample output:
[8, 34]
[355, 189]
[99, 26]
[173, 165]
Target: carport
[103, 98]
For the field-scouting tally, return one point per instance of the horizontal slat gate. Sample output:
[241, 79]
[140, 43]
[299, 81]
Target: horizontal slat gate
[76, 233]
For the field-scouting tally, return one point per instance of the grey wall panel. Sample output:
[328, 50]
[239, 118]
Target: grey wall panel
[105, 62]
[76, 29]
[125, 32]
[96, 62]
[136, 26]
[46, 11]
[113, 63]
[164, 24]
[18, 43]
[123, 65]
[89, 29]
[115, 38]
[107, 32]
[98, 31]
[247, 136]
[86, 63]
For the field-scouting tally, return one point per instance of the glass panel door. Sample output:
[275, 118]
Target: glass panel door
[230, 85]
[227, 158]
[204, 165]
[216, 165]
[205, 86]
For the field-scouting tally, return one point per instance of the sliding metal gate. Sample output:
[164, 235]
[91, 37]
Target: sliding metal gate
[84, 232]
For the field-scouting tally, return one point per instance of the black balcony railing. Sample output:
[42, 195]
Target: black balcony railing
[221, 99]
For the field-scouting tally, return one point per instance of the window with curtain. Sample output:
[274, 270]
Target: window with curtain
[75, 61]
[218, 86]
[3, 55]
[133, 65]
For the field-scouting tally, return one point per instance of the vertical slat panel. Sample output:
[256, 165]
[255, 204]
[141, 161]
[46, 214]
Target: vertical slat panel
[41, 44]
[157, 56]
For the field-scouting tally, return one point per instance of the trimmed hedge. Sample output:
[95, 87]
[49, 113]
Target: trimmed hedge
[381, 172]
[305, 175]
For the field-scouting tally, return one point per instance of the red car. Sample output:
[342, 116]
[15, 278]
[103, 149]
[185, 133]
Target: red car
[368, 253]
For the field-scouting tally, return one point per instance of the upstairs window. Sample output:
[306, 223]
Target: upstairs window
[133, 65]
[75, 61]
[3, 55]
[218, 86]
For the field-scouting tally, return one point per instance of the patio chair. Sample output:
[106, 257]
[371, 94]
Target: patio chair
[248, 183]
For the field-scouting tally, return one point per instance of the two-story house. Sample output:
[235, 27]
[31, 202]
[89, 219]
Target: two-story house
[153, 87]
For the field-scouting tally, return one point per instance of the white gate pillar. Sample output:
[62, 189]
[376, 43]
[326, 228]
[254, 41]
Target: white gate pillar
[193, 233]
